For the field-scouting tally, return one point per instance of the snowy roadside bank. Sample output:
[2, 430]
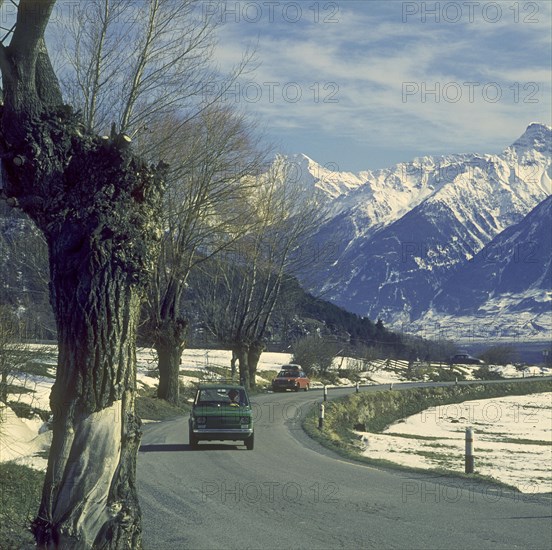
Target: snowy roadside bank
[513, 439]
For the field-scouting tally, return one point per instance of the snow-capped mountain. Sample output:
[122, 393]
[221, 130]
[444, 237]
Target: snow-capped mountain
[328, 183]
[504, 292]
[398, 235]
[517, 262]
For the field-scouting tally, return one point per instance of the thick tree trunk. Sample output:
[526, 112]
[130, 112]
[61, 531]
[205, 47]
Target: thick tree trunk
[169, 344]
[241, 350]
[89, 498]
[99, 210]
[255, 351]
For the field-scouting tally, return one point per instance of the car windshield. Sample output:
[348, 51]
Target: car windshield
[288, 374]
[222, 396]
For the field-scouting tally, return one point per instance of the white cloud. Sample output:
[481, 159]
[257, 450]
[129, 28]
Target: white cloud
[380, 76]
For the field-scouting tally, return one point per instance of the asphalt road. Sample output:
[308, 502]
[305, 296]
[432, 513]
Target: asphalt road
[292, 493]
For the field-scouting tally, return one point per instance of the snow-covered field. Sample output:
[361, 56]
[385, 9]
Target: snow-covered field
[429, 440]
[21, 440]
[512, 440]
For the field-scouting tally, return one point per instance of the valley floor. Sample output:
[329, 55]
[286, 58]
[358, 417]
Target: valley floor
[513, 435]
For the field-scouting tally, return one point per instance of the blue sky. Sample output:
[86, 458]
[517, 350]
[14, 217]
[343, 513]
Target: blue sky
[361, 84]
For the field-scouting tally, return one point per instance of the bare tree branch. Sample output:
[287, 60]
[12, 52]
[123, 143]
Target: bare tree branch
[238, 295]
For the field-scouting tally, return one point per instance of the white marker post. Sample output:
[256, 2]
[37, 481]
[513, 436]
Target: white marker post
[469, 451]
[357, 386]
[321, 416]
[325, 393]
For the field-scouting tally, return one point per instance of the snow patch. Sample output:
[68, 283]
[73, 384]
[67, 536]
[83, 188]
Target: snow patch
[512, 439]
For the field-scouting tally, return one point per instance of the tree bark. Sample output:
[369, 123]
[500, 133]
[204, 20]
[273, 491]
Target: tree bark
[99, 209]
[241, 351]
[233, 364]
[89, 498]
[255, 351]
[170, 343]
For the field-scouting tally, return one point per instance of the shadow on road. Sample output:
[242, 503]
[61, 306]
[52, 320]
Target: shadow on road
[165, 448]
[179, 447]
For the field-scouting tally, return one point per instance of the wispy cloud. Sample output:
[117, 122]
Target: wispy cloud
[380, 75]
[369, 83]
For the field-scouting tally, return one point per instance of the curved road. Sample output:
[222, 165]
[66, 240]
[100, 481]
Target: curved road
[292, 493]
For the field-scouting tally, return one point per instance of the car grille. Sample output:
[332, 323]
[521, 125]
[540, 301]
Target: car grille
[223, 422]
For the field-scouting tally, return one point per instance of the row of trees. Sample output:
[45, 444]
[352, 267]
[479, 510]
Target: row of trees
[241, 289]
[148, 75]
[134, 178]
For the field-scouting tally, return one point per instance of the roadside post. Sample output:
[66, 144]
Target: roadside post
[469, 451]
[321, 416]
[357, 386]
[325, 392]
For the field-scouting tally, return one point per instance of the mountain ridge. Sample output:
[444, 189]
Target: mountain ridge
[402, 233]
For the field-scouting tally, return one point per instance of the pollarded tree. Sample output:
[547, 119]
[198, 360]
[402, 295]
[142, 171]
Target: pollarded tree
[146, 66]
[98, 206]
[240, 290]
[204, 213]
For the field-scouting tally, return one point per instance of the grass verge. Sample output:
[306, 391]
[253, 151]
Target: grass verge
[20, 489]
[150, 407]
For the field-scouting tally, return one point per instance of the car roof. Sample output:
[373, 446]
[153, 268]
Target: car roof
[290, 366]
[223, 386]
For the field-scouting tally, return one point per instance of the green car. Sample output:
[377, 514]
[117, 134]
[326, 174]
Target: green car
[221, 412]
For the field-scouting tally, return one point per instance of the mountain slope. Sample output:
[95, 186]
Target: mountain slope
[402, 233]
[517, 262]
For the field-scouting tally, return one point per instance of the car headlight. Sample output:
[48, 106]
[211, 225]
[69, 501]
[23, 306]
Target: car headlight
[245, 422]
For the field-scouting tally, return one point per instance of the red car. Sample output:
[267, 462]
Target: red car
[291, 377]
